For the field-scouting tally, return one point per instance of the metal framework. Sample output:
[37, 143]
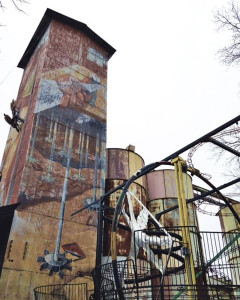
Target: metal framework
[215, 262]
[197, 265]
[148, 169]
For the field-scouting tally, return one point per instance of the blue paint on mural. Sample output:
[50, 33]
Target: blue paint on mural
[80, 121]
[49, 96]
[53, 93]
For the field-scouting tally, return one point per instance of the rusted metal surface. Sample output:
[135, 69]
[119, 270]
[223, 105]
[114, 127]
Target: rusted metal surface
[120, 164]
[162, 194]
[123, 163]
[123, 236]
[117, 167]
[230, 225]
[58, 157]
[156, 185]
[161, 184]
[227, 220]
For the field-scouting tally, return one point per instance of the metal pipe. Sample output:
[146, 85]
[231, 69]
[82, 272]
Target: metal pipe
[203, 138]
[97, 284]
[221, 195]
[223, 146]
[99, 236]
[203, 190]
[201, 196]
[64, 194]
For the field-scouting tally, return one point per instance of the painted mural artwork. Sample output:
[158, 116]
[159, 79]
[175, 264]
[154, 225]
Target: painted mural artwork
[25, 101]
[11, 153]
[55, 119]
[56, 164]
[67, 152]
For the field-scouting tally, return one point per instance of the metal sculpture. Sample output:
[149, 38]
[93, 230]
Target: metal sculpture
[142, 239]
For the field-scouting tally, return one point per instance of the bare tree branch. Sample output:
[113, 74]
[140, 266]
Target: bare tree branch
[16, 3]
[229, 19]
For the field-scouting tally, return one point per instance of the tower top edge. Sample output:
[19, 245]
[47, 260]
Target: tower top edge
[45, 22]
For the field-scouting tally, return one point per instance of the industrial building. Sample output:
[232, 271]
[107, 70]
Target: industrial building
[80, 221]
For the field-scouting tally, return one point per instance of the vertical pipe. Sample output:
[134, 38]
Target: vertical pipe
[65, 186]
[97, 284]
[52, 152]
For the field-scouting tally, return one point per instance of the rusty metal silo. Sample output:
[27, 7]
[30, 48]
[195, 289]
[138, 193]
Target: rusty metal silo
[230, 228]
[163, 195]
[121, 165]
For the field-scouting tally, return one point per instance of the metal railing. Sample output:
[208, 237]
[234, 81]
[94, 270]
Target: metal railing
[216, 258]
[62, 292]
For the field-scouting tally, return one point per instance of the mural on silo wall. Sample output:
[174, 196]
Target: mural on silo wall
[61, 150]
[49, 147]
[17, 144]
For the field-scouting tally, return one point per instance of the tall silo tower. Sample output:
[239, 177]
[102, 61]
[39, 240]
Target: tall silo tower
[56, 163]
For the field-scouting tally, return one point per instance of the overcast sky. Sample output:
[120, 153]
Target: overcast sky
[166, 86]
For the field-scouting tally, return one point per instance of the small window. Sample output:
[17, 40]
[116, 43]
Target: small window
[96, 57]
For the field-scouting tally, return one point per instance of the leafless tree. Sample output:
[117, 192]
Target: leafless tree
[229, 19]
[16, 3]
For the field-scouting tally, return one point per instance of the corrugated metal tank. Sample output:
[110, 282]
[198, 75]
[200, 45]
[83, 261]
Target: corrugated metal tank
[121, 165]
[229, 227]
[162, 195]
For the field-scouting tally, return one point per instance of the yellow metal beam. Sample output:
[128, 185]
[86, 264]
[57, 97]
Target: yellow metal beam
[183, 212]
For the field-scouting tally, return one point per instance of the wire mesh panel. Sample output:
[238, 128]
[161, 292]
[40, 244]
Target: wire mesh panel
[61, 292]
[105, 281]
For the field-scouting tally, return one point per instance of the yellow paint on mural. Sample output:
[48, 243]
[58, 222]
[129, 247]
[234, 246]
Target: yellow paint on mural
[29, 86]
[26, 226]
[83, 75]
[11, 147]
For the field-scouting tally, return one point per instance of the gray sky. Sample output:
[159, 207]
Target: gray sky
[166, 86]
